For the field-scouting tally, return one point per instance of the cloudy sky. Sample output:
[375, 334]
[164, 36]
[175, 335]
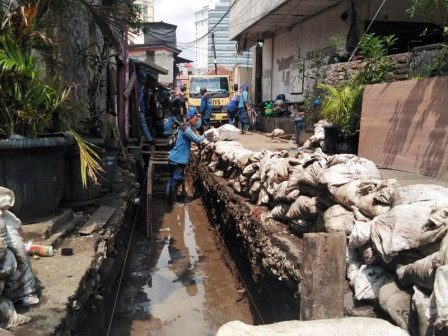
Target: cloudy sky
[180, 13]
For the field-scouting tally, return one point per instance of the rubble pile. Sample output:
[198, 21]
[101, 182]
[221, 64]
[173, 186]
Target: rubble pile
[396, 235]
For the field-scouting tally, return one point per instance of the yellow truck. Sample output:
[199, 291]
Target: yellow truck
[220, 90]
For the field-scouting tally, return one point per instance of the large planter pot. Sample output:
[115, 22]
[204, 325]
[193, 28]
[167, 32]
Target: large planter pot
[75, 194]
[337, 143]
[34, 170]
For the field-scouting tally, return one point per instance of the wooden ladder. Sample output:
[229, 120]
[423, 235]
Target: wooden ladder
[156, 157]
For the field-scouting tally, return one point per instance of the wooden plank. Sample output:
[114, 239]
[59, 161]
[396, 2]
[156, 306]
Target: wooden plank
[403, 126]
[98, 220]
[323, 276]
[149, 191]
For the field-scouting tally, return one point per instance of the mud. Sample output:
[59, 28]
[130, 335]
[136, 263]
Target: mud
[267, 254]
[179, 284]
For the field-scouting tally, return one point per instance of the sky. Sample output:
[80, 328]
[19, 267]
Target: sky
[180, 13]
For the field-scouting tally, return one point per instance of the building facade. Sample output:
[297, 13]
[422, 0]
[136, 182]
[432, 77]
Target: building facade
[290, 33]
[215, 18]
[146, 8]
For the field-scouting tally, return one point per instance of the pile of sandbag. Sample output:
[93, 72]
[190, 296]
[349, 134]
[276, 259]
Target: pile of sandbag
[396, 234]
[17, 283]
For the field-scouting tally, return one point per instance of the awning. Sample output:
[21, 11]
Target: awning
[178, 59]
[149, 68]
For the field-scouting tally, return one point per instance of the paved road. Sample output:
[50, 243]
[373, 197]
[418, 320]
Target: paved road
[258, 141]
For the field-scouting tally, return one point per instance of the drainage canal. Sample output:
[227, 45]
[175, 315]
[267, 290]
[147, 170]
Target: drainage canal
[181, 283]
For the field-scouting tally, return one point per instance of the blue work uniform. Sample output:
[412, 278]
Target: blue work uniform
[141, 114]
[180, 154]
[242, 112]
[206, 109]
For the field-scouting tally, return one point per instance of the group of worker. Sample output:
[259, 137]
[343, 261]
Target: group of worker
[184, 125]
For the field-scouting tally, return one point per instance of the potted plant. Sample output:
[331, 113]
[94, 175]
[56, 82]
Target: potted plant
[341, 106]
[32, 103]
[339, 52]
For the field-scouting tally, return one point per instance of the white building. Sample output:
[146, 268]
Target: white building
[215, 18]
[147, 15]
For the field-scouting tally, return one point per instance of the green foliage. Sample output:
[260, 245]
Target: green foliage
[430, 8]
[342, 106]
[30, 100]
[377, 67]
[314, 77]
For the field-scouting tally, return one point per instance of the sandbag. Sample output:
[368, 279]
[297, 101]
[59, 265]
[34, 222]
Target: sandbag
[420, 193]
[8, 315]
[228, 132]
[14, 239]
[250, 169]
[439, 297]
[355, 169]
[353, 326]
[338, 219]
[21, 283]
[420, 308]
[401, 228]
[303, 208]
[367, 282]
[360, 234]
[3, 233]
[395, 302]
[279, 211]
[353, 263]
[362, 194]
[212, 135]
[301, 226]
[279, 193]
[7, 198]
[422, 273]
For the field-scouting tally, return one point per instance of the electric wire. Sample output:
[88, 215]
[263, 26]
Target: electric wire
[370, 25]
[126, 257]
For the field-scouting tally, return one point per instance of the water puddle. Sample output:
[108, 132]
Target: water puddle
[179, 284]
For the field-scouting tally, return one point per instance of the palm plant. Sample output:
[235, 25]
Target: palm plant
[31, 102]
[341, 106]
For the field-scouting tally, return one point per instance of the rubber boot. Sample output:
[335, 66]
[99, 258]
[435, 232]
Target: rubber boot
[171, 195]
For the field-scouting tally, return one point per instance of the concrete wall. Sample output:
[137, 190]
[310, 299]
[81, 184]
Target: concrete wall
[283, 52]
[266, 85]
[165, 59]
[245, 13]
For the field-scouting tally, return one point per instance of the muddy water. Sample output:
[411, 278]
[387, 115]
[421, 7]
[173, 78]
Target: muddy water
[179, 284]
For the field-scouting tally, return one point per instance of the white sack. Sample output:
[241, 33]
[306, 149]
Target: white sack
[402, 228]
[422, 273]
[228, 132]
[439, 297]
[420, 193]
[212, 135]
[356, 169]
[303, 208]
[353, 326]
[338, 219]
[8, 315]
[6, 198]
[368, 281]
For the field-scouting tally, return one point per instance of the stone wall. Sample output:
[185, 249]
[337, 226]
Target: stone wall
[405, 65]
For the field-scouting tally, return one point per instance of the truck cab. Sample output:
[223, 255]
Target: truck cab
[220, 90]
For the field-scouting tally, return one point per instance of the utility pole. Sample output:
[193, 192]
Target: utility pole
[214, 53]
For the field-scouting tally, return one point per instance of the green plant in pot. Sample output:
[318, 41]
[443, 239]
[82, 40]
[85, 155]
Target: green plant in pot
[341, 106]
[32, 103]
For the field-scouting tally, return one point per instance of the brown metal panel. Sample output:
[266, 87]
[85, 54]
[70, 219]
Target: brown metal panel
[404, 126]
